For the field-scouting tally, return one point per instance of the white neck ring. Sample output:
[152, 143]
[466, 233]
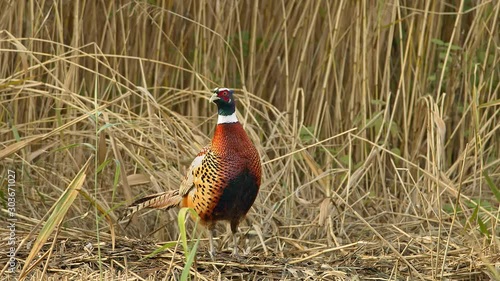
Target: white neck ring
[227, 119]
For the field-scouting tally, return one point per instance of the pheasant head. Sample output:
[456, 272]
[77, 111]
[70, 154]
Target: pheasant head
[223, 98]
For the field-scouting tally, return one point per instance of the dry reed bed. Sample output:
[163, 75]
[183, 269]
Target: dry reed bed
[377, 124]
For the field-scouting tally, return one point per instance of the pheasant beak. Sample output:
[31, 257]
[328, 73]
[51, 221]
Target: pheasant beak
[214, 97]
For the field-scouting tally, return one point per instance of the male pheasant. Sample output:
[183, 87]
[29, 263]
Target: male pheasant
[223, 179]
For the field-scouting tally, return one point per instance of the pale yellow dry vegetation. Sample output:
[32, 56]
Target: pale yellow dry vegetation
[377, 122]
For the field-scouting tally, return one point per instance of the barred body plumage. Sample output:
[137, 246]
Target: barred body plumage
[223, 179]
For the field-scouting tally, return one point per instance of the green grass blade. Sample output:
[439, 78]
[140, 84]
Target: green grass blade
[181, 219]
[483, 227]
[189, 261]
[492, 186]
[160, 249]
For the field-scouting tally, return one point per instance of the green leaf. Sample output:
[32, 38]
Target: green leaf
[117, 174]
[492, 186]
[116, 180]
[16, 133]
[105, 126]
[160, 249]
[306, 133]
[474, 215]
[345, 159]
[438, 42]
[394, 128]
[181, 222]
[103, 165]
[448, 208]
[482, 227]
[377, 102]
[189, 261]
[396, 151]
[375, 121]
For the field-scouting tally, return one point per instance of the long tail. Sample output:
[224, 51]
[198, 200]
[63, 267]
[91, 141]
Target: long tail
[164, 200]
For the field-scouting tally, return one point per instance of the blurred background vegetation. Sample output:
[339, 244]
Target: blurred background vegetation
[376, 120]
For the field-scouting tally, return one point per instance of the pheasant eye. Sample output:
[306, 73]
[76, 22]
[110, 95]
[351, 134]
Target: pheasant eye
[224, 95]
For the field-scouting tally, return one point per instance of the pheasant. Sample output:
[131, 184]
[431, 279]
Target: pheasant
[224, 178]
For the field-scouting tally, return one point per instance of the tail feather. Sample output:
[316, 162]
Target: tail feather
[164, 200]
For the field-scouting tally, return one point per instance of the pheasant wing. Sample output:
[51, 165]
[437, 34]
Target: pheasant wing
[187, 183]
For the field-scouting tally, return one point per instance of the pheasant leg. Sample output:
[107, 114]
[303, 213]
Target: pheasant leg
[211, 251]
